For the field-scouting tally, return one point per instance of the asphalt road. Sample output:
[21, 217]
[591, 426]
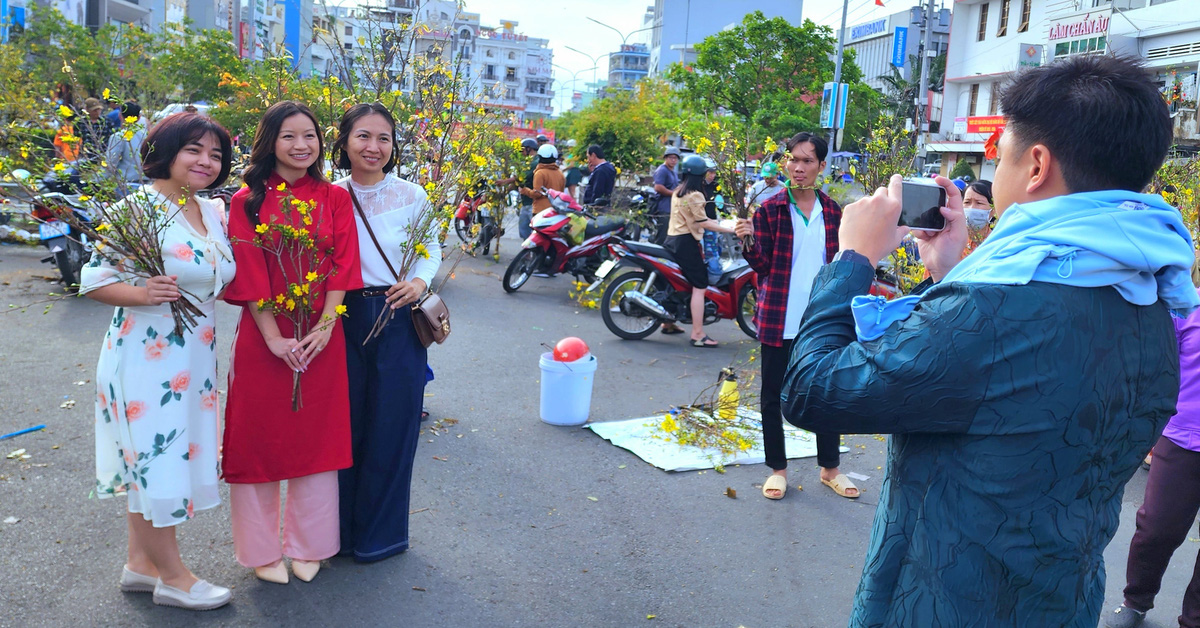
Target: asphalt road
[504, 532]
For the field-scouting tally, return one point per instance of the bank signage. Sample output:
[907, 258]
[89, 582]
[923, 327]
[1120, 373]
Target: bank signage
[1087, 26]
[900, 46]
[877, 27]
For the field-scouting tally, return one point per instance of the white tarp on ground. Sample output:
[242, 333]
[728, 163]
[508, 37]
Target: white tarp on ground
[640, 437]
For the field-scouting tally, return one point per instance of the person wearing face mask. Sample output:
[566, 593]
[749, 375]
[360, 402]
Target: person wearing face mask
[977, 206]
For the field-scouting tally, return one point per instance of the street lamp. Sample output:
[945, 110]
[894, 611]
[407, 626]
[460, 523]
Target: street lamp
[574, 75]
[624, 38]
[595, 60]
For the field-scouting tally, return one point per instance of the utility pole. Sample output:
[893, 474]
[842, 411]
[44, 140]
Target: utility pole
[923, 94]
[837, 84]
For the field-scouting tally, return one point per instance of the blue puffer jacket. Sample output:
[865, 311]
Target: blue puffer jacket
[1018, 413]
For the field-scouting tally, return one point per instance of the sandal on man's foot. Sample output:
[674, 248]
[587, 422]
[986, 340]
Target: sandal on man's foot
[706, 342]
[775, 483]
[671, 330]
[841, 484]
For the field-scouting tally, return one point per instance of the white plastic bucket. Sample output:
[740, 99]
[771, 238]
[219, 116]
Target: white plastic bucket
[567, 389]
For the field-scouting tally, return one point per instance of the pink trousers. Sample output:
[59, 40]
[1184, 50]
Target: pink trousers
[310, 525]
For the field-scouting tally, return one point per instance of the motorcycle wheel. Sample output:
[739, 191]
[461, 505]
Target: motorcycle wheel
[462, 228]
[619, 323]
[70, 262]
[747, 305]
[521, 269]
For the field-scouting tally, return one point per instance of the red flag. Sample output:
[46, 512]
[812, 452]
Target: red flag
[878, 3]
[989, 147]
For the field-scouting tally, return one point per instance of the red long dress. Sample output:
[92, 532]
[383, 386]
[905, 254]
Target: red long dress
[265, 441]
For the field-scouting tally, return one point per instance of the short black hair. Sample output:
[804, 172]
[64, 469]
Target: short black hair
[1065, 104]
[596, 150]
[131, 109]
[820, 145]
[175, 132]
[346, 126]
[982, 187]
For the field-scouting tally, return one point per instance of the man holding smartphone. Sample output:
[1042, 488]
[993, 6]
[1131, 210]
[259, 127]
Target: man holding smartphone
[795, 234]
[1024, 387]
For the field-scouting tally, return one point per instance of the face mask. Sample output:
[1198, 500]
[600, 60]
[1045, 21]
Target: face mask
[977, 218]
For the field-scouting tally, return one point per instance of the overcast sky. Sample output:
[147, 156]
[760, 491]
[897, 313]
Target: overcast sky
[565, 23]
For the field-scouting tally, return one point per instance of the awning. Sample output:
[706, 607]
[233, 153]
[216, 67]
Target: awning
[954, 147]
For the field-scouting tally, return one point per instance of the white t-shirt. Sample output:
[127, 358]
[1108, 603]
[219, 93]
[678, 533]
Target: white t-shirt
[808, 256]
[391, 205]
[760, 191]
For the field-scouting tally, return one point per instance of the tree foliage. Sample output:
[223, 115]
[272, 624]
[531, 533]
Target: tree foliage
[631, 125]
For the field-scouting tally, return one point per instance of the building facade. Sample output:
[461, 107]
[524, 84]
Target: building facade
[513, 71]
[891, 42]
[679, 24]
[992, 39]
[627, 66]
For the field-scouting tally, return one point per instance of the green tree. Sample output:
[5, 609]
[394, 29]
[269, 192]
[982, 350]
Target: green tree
[629, 125]
[900, 94]
[202, 65]
[961, 169]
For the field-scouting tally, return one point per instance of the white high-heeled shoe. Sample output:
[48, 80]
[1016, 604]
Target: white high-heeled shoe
[203, 596]
[306, 570]
[276, 573]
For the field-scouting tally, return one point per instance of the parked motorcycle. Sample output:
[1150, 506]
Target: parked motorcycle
[69, 248]
[643, 224]
[637, 303]
[565, 239]
[474, 221]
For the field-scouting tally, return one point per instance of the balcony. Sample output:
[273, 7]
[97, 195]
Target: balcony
[1186, 127]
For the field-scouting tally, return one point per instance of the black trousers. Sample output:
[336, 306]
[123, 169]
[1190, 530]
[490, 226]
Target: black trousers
[1167, 514]
[664, 221]
[774, 366]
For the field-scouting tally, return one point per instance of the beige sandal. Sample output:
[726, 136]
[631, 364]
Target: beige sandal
[775, 483]
[841, 484]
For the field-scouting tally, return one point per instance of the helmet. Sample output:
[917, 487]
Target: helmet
[570, 143]
[547, 151]
[771, 169]
[542, 139]
[710, 164]
[693, 164]
[529, 143]
[671, 150]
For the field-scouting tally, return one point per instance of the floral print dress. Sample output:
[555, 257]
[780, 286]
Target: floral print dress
[156, 397]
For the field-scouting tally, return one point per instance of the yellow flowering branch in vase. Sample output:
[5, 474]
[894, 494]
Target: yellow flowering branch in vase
[290, 244]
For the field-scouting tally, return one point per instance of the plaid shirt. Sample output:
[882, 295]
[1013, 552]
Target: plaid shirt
[771, 258]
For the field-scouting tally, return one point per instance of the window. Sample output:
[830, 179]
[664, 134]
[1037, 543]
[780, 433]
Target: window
[983, 11]
[490, 73]
[1026, 9]
[974, 99]
[512, 56]
[349, 30]
[349, 46]
[1003, 30]
[994, 100]
[510, 74]
[489, 52]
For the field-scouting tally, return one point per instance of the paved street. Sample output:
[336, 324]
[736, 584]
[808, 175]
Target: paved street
[504, 532]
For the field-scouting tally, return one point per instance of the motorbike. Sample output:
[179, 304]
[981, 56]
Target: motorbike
[644, 225]
[474, 222]
[654, 291]
[566, 239]
[69, 248]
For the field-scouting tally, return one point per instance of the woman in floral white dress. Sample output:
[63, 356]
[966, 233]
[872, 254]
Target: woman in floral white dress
[156, 405]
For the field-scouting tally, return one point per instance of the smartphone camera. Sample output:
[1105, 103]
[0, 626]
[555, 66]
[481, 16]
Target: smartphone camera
[921, 205]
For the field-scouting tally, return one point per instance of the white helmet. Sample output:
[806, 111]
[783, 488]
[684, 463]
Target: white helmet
[548, 151]
[570, 143]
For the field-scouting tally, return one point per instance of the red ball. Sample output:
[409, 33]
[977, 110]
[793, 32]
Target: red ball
[570, 349]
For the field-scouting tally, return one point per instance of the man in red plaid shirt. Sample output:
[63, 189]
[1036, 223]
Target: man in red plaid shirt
[795, 233]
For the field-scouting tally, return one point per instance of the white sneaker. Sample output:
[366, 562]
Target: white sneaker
[134, 582]
[202, 597]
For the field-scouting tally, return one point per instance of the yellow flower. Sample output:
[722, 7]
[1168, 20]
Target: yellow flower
[128, 135]
[421, 250]
[305, 288]
[340, 310]
[290, 305]
[901, 253]
[282, 186]
[106, 93]
[333, 79]
[311, 276]
[131, 119]
[430, 187]
[261, 228]
[307, 220]
[325, 92]
[261, 303]
[84, 198]
[59, 167]
[296, 290]
[279, 299]
[668, 424]
[102, 227]
[65, 111]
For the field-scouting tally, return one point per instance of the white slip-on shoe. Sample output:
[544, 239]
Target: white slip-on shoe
[134, 582]
[203, 596]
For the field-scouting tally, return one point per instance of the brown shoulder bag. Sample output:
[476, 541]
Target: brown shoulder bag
[430, 316]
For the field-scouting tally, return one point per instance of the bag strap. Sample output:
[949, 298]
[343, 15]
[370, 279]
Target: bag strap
[370, 232]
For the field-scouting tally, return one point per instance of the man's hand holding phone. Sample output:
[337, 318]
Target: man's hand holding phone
[942, 250]
[869, 225]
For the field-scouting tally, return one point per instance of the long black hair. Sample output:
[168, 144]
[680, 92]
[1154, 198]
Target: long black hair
[691, 183]
[262, 155]
[352, 115]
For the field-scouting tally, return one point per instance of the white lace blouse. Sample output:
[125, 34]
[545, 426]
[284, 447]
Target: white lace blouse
[391, 205]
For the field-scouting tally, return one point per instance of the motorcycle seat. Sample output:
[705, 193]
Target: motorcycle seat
[649, 249]
[602, 225]
[729, 270]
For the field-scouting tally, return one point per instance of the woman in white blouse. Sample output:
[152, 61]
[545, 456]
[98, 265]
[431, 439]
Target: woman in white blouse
[387, 374]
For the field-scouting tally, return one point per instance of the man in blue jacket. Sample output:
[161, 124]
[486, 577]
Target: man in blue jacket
[1024, 387]
[602, 175]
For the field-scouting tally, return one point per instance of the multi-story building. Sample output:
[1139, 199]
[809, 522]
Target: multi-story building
[513, 71]
[627, 66]
[678, 25]
[991, 39]
[893, 41]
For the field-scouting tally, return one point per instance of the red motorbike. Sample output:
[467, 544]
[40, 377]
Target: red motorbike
[474, 222]
[565, 239]
[636, 303]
